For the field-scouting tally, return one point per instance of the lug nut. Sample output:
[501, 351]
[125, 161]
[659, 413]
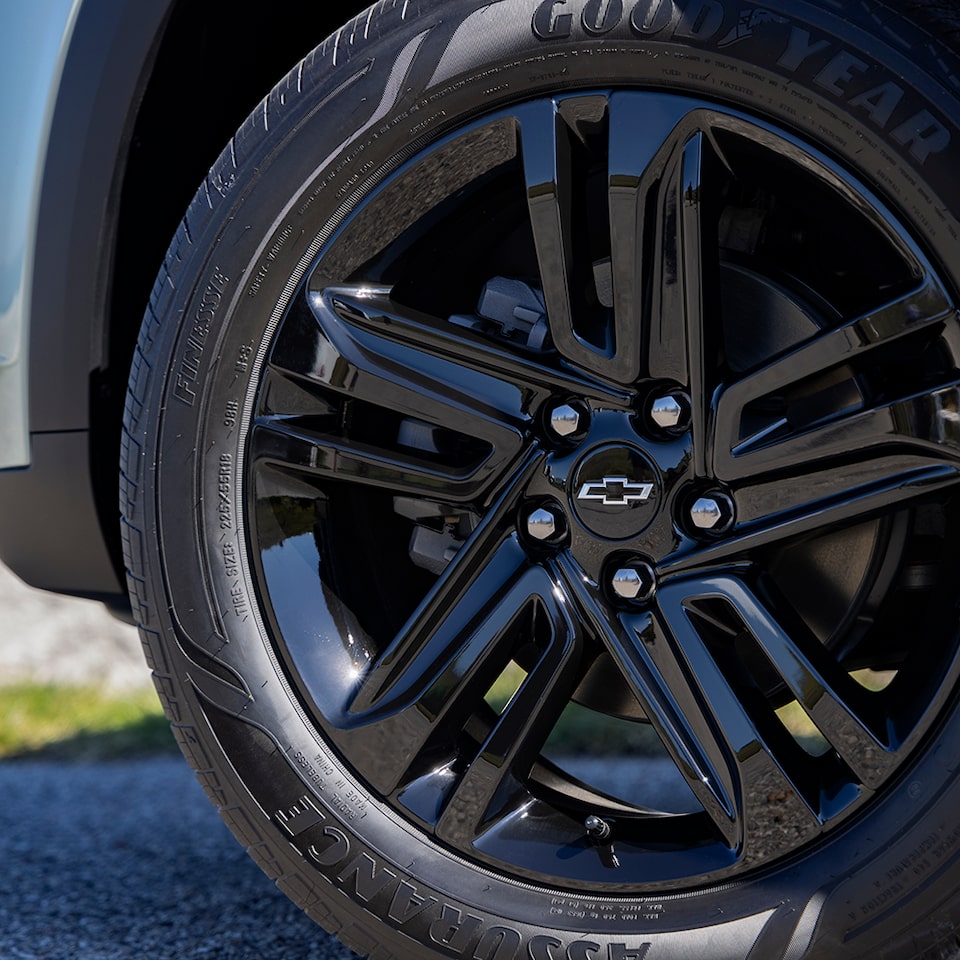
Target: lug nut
[544, 524]
[567, 419]
[671, 412]
[635, 582]
[713, 513]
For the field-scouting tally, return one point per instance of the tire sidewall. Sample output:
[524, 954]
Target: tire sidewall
[862, 885]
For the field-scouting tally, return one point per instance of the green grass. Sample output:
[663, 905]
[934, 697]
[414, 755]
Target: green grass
[80, 723]
[86, 724]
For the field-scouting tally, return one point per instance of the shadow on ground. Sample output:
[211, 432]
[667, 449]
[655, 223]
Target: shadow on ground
[127, 859]
[140, 739]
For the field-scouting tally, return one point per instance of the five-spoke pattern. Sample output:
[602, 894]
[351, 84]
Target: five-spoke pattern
[722, 483]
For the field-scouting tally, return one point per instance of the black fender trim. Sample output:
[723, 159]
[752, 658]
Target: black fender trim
[49, 530]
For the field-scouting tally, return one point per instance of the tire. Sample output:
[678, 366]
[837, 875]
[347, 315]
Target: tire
[543, 399]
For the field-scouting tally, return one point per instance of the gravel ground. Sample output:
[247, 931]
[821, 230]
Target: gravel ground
[53, 639]
[124, 861]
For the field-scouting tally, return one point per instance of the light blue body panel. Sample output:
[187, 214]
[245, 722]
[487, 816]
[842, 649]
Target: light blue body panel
[33, 47]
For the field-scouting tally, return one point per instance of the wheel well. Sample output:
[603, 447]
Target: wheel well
[211, 69]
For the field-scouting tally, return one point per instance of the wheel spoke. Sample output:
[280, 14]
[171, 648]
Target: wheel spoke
[640, 147]
[517, 737]
[807, 501]
[923, 419]
[835, 702]
[924, 422]
[756, 762]
[441, 663]
[491, 370]
[676, 344]
[656, 207]
[544, 144]
[348, 345]
[345, 348]
[658, 238]
[280, 442]
[683, 308]
[656, 213]
[683, 720]
[588, 338]
[430, 681]
[703, 725]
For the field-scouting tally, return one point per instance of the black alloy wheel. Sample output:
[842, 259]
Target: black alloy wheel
[652, 435]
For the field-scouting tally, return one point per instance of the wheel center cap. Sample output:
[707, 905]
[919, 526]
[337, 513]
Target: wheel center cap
[616, 492]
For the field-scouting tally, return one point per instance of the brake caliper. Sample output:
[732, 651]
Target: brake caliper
[440, 530]
[510, 310]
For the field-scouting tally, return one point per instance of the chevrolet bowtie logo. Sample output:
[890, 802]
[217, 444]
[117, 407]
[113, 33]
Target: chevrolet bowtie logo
[616, 491]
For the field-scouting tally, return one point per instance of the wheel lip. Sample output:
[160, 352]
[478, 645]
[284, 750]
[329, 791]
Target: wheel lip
[483, 122]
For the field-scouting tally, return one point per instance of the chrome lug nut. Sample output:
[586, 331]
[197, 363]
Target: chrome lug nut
[713, 513]
[636, 582]
[671, 412]
[568, 421]
[543, 524]
[564, 420]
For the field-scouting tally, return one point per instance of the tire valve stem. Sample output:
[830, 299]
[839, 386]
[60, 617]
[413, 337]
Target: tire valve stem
[597, 830]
